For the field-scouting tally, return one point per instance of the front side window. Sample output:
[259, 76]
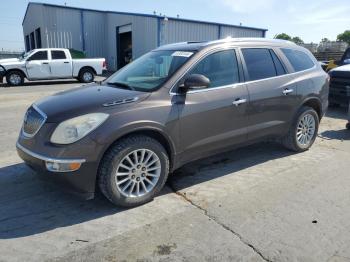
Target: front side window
[260, 63]
[150, 71]
[58, 55]
[298, 59]
[40, 55]
[221, 68]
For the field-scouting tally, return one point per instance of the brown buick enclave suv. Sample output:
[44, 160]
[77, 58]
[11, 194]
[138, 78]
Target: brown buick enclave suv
[176, 104]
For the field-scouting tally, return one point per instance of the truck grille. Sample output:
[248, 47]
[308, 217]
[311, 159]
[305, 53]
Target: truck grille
[33, 121]
[341, 84]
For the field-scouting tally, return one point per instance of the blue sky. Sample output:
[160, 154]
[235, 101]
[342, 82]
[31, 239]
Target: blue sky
[311, 20]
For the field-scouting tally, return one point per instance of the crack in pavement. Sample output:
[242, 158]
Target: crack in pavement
[245, 242]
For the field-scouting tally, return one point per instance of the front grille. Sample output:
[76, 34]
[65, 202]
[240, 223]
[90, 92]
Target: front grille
[33, 121]
[340, 86]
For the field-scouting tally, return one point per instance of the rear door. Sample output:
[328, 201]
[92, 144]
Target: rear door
[61, 64]
[38, 66]
[215, 117]
[272, 94]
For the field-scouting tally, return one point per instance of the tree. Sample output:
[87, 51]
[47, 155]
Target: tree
[325, 40]
[344, 37]
[297, 40]
[283, 36]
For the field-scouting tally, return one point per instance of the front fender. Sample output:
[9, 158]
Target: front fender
[108, 134]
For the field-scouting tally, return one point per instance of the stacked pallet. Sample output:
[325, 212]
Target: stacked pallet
[326, 56]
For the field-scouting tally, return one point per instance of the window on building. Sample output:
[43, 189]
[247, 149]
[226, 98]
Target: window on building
[298, 59]
[32, 41]
[57, 55]
[221, 68]
[38, 38]
[40, 55]
[27, 43]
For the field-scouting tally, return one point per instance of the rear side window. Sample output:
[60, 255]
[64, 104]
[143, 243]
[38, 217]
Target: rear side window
[57, 55]
[221, 68]
[261, 64]
[40, 55]
[278, 64]
[298, 59]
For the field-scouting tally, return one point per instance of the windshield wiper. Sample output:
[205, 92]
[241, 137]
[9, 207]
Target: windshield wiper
[121, 85]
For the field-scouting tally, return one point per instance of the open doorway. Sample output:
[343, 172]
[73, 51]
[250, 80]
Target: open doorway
[124, 45]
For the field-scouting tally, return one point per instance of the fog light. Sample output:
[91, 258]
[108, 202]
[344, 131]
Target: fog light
[62, 167]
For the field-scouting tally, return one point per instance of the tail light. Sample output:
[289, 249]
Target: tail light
[104, 65]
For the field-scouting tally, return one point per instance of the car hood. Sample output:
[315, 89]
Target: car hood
[90, 98]
[9, 60]
[341, 71]
[342, 68]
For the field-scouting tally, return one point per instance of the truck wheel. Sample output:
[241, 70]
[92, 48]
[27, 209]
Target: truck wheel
[133, 171]
[303, 131]
[86, 75]
[15, 78]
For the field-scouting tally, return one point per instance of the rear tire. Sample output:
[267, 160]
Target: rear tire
[303, 131]
[15, 78]
[86, 75]
[125, 175]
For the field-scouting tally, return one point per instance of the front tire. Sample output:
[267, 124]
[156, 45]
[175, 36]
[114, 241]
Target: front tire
[133, 171]
[15, 78]
[86, 75]
[303, 131]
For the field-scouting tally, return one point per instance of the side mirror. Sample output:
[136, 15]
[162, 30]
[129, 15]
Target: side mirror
[195, 82]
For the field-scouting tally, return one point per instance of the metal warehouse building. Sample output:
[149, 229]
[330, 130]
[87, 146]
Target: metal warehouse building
[108, 34]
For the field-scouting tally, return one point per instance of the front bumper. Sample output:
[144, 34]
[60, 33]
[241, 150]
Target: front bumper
[80, 182]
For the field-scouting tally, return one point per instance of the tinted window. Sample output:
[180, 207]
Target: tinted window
[221, 68]
[279, 67]
[40, 55]
[299, 60]
[259, 63]
[58, 55]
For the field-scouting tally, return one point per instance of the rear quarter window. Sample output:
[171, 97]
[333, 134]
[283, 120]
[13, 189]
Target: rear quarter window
[299, 60]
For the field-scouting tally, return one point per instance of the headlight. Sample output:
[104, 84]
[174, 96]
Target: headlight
[76, 128]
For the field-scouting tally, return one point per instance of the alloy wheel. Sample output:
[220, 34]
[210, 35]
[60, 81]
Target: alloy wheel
[138, 173]
[306, 130]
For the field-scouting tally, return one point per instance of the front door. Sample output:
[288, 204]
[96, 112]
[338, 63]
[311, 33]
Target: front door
[38, 66]
[214, 118]
[272, 93]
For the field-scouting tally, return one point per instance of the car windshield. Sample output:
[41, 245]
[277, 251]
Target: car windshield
[149, 71]
[25, 55]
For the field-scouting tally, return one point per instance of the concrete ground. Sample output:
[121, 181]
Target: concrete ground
[260, 203]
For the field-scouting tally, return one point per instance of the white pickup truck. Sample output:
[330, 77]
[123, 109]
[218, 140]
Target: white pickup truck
[48, 64]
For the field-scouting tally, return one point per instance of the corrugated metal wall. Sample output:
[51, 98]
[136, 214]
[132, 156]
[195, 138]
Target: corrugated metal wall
[95, 34]
[62, 28]
[33, 20]
[227, 31]
[173, 31]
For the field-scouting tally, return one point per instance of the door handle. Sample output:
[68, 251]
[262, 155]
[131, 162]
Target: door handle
[287, 91]
[239, 101]
[66, 62]
[45, 63]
